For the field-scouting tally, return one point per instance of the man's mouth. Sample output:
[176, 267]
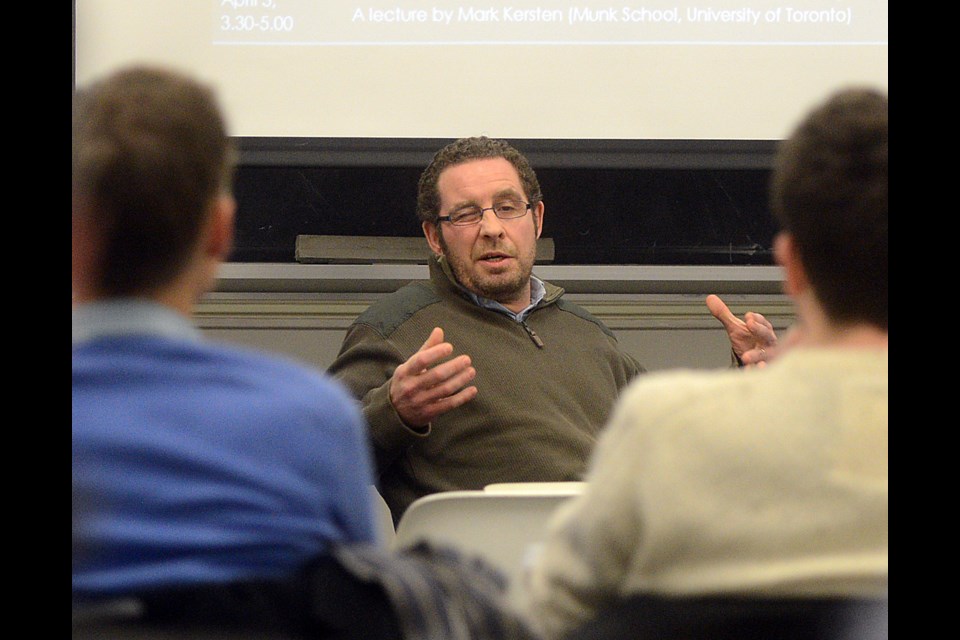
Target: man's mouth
[494, 257]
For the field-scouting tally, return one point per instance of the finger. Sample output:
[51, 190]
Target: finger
[430, 352]
[435, 338]
[759, 318]
[761, 329]
[447, 378]
[428, 412]
[754, 356]
[453, 401]
[722, 312]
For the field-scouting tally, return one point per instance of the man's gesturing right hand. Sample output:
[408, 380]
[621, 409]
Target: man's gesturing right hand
[427, 385]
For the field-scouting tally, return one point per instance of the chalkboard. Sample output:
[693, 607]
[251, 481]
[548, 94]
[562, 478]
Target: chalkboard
[595, 216]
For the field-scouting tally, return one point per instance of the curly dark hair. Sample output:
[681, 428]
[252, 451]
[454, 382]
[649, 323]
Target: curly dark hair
[463, 150]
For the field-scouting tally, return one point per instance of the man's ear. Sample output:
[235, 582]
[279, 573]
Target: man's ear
[220, 239]
[431, 232]
[786, 255]
[85, 250]
[538, 217]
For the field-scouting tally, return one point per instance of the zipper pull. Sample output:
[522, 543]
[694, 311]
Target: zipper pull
[533, 335]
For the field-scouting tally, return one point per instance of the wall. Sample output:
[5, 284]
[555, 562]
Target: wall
[658, 315]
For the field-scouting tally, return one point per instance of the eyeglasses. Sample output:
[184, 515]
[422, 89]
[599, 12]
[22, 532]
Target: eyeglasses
[505, 210]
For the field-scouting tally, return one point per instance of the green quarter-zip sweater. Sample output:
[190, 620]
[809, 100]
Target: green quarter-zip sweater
[546, 387]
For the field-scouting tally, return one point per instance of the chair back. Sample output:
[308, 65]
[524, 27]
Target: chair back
[324, 599]
[502, 524]
[732, 617]
[384, 517]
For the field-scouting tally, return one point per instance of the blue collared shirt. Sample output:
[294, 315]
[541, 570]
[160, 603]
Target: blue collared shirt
[200, 461]
[537, 291]
[129, 316]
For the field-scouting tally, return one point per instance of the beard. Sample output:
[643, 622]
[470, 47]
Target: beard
[505, 287]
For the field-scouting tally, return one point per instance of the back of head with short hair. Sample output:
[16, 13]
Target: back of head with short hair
[150, 155]
[464, 150]
[829, 191]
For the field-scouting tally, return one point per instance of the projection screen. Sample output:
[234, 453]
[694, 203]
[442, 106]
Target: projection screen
[567, 70]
